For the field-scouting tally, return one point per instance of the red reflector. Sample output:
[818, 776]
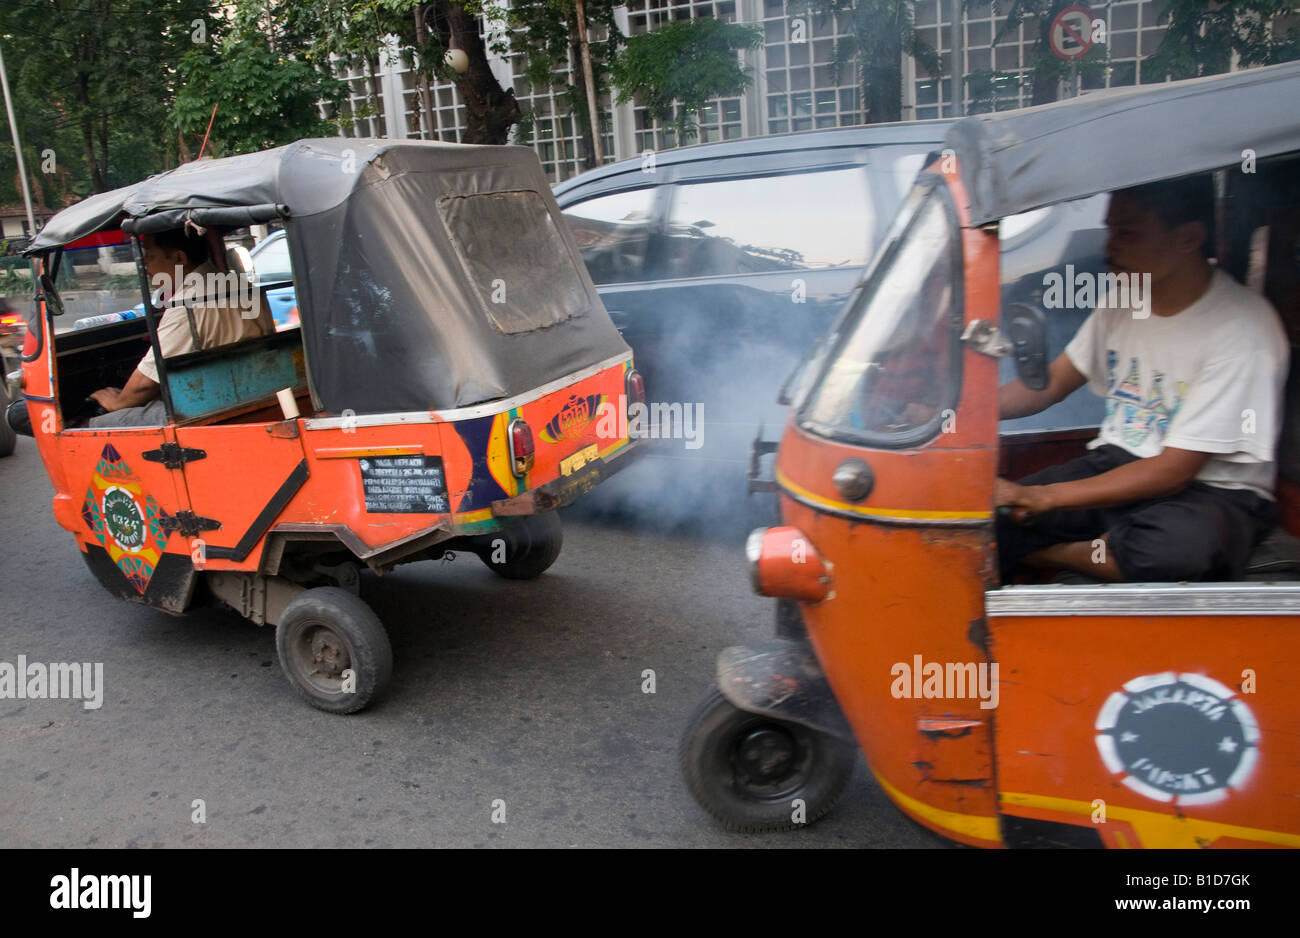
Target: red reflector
[29, 344]
[521, 447]
[635, 387]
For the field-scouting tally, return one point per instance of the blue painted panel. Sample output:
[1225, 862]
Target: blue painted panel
[218, 384]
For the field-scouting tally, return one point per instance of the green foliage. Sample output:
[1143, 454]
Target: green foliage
[1203, 36]
[11, 284]
[265, 95]
[685, 63]
[91, 83]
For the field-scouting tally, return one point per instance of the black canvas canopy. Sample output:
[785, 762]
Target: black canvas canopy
[1014, 161]
[428, 275]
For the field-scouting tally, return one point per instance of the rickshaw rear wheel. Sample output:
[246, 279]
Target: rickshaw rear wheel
[324, 634]
[748, 769]
[530, 547]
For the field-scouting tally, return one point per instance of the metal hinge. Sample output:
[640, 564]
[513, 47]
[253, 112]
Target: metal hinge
[173, 455]
[983, 336]
[188, 523]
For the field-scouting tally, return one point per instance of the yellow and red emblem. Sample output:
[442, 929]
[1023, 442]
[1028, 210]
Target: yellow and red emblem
[574, 417]
[124, 519]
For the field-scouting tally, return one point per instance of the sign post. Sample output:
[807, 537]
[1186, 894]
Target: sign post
[1070, 37]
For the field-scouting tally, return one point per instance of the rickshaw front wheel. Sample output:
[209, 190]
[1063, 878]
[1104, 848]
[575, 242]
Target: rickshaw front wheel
[334, 650]
[754, 772]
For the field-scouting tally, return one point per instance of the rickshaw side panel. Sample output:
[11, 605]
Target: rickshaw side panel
[239, 479]
[933, 756]
[572, 426]
[461, 459]
[1193, 780]
[123, 503]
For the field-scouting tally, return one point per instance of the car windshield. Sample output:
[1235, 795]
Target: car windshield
[892, 373]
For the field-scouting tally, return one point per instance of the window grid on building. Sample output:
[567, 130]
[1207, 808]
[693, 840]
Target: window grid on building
[556, 134]
[796, 85]
[360, 113]
[997, 74]
[804, 88]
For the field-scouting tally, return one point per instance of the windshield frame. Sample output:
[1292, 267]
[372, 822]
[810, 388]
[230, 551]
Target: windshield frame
[929, 185]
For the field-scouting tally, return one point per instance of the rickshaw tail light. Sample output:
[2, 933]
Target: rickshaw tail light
[521, 447]
[785, 564]
[635, 388]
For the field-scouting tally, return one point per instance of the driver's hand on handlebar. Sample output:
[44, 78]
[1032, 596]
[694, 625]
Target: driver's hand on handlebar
[1022, 502]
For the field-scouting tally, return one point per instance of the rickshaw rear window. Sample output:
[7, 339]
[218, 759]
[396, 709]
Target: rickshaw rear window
[894, 373]
[516, 257]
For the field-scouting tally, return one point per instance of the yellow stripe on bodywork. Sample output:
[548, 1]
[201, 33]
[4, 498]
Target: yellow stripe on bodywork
[1159, 831]
[977, 826]
[872, 512]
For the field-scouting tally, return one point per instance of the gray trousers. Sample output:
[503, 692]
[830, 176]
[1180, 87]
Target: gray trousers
[153, 414]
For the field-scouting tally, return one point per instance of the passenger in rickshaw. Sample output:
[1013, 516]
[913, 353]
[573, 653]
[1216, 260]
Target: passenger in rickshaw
[184, 256]
[1178, 484]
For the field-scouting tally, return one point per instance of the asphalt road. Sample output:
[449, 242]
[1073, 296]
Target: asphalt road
[528, 694]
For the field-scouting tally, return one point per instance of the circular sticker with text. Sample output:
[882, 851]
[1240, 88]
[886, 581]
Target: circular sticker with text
[1181, 738]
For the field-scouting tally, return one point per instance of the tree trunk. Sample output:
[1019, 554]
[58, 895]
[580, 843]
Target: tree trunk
[490, 110]
[373, 87]
[882, 88]
[1046, 84]
[589, 83]
[103, 145]
[581, 114]
[429, 132]
[97, 173]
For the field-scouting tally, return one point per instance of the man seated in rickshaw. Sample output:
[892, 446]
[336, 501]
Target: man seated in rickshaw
[181, 261]
[1178, 484]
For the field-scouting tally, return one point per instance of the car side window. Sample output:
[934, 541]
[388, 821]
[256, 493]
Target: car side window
[797, 221]
[272, 264]
[612, 232]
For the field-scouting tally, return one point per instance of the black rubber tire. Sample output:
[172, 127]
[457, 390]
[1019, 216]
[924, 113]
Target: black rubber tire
[531, 546]
[821, 768]
[8, 438]
[346, 625]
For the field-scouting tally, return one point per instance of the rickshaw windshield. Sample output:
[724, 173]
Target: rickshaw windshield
[894, 372]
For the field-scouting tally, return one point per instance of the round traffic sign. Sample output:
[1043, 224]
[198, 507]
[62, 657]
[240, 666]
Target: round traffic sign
[1071, 34]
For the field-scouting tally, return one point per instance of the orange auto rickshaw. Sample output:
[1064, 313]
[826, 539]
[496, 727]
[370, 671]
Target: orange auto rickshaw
[454, 379]
[1015, 714]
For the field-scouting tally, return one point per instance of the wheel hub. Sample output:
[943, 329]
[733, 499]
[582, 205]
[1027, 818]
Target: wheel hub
[767, 753]
[328, 656]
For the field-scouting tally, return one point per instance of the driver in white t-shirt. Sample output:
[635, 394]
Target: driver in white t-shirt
[1178, 484]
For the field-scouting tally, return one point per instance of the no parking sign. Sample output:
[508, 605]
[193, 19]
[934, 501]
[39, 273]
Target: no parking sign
[1071, 34]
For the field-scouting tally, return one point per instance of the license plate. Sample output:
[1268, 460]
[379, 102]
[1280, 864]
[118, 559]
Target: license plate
[579, 459]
